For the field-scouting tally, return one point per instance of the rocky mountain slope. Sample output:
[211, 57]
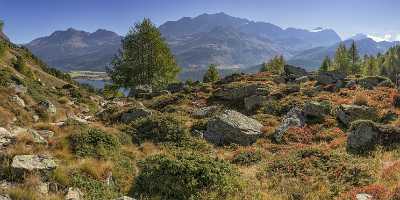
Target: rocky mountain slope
[298, 135]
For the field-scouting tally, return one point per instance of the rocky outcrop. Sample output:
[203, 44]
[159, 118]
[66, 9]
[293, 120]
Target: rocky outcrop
[177, 87]
[316, 110]
[364, 135]
[239, 92]
[33, 162]
[233, 127]
[328, 78]
[291, 73]
[370, 82]
[349, 113]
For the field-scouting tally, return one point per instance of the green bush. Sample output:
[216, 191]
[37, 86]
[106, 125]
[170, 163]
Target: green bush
[159, 128]
[95, 143]
[94, 189]
[247, 158]
[184, 177]
[21, 67]
[5, 77]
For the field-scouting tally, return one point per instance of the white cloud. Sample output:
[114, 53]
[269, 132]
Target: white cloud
[385, 37]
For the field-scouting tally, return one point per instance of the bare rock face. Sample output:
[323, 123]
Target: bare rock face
[33, 162]
[364, 135]
[16, 99]
[370, 82]
[317, 110]
[349, 113]
[233, 127]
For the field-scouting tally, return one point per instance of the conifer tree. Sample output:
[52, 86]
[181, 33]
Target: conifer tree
[326, 64]
[354, 59]
[342, 61]
[211, 74]
[145, 59]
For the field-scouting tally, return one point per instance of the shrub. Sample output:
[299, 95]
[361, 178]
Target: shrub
[94, 142]
[211, 74]
[338, 171]
[5, 77]
[3, 47]
[159, 128]
[247, 158]
[94, 189]
[184, 177]
[112, 91]
[21, 67]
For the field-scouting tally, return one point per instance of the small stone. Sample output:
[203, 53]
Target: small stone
[125, 198]
[74, 194]
[364, 196]
[294, 118]
[6, 137]
[47, 106]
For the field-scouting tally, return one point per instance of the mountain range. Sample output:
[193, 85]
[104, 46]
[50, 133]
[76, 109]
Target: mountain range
[230, 42]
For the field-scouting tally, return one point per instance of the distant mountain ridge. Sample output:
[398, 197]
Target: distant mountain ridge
[77, 50]
[230, 42]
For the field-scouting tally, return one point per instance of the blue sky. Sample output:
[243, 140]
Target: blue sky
[29, 19]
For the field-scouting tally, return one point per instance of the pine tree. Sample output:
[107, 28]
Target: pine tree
[275, 65]
[342, 61]
[326, 64]
[354, 58]
[1, 25]
[145, 59]
[212, 74]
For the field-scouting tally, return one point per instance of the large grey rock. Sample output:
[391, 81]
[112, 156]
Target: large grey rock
[232, 127]
[240, 92]
[16, 99]
[294, 118]
[370, 82]
[364, 135]
[317, 110]
[33, 162]
[47, 106]
[254, 101]
[327, 78]
[349, 113]
[6, 137]
[291, 72]
[74, 194]
[135, 113]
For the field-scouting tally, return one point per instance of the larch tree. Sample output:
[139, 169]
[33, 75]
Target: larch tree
[211, 74]
[275, 65]
[144, 59]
